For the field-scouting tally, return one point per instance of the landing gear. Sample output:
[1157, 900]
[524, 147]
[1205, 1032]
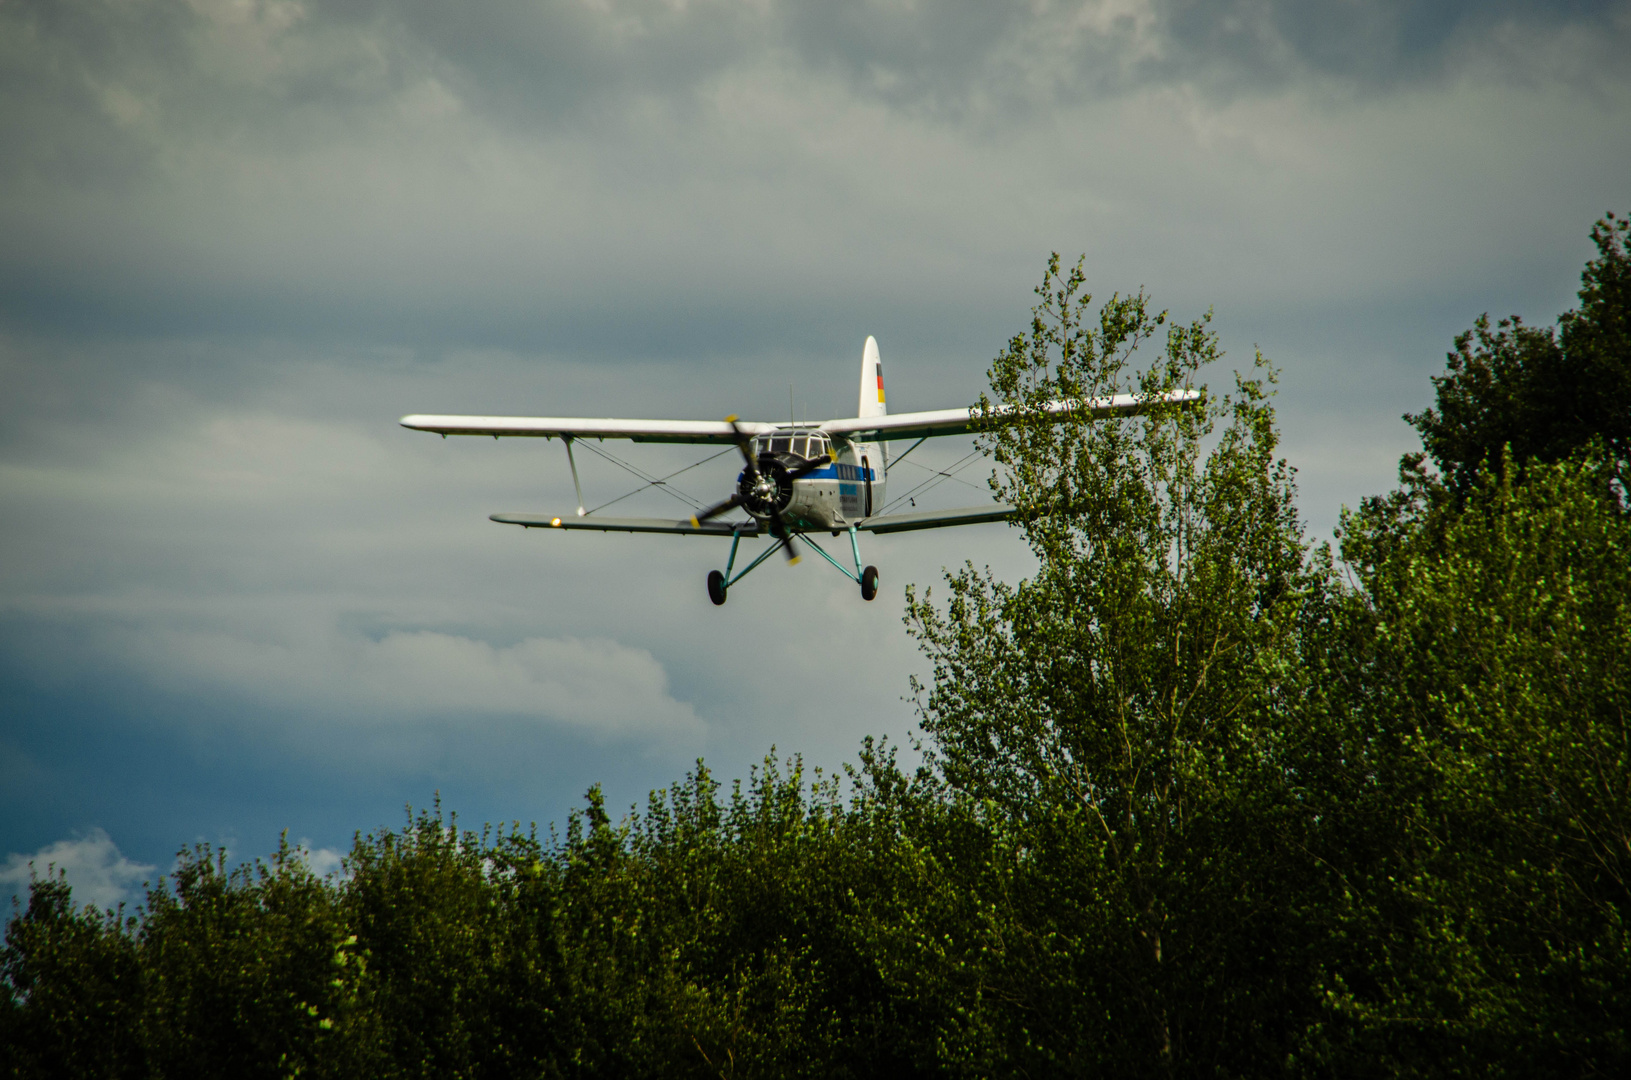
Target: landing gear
[719, 583]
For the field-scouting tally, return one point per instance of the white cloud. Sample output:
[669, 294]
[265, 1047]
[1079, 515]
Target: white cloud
[101, 876]
[593, 684]
[322, 861]
[96, 871]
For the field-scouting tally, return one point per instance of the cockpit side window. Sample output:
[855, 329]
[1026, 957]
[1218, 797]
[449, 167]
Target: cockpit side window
[778, 445]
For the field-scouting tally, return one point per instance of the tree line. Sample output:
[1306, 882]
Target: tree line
[1201, 797]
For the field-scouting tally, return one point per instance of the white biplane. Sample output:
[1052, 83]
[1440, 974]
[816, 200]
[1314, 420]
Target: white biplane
[796, 479]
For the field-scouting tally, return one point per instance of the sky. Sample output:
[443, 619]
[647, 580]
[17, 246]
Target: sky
[243, 237]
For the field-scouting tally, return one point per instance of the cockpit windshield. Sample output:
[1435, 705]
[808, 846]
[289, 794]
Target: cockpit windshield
[801, 444]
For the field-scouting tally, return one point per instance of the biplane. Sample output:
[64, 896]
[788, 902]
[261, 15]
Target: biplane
[797, 480]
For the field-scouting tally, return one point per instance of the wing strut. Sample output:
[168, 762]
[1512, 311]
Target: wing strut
[909, 449]
[567, 439]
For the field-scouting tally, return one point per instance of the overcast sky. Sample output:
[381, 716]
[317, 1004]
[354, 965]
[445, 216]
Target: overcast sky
[241, 238]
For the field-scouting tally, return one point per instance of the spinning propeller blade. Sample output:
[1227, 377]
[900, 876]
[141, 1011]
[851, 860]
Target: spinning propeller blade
[778, 529]
[745, 445]
[778, 526]
[718, 508]
[812, 465]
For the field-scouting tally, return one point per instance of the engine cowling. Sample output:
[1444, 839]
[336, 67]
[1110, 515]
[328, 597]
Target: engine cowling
[770, 493]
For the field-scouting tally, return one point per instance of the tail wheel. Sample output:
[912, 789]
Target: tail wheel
[869, 583]
[716, 587]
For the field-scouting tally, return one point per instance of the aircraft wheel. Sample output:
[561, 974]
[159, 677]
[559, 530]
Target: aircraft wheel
[716, 587]
[869, 583]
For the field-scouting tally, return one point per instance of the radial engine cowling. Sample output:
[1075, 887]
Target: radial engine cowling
[770, 492]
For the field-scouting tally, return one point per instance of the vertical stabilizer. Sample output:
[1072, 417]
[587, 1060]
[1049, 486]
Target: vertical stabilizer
[871, 380]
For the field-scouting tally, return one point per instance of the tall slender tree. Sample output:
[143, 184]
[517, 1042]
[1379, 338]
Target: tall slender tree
[1122, 704]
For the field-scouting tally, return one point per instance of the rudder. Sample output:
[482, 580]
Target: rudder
[872, 398]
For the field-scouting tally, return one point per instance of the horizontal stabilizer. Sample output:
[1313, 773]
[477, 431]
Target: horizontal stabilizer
[936, 519]
[630, 525]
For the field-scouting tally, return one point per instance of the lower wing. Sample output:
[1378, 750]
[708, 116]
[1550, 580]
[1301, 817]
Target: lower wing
[936, 519]
[885, 523]
[630, 525]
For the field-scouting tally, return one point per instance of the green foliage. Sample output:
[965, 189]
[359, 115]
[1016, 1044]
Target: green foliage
[73, 1007]
[1122, 706]
[1482, 808]
[1151, 643]
[1193, 801]
[1545, 394]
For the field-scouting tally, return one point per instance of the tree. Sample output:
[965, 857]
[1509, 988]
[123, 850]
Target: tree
[1476, 757]
[72, 986]
[1121, 707]
[248, 972]
[1478, 779]
[1547, 394]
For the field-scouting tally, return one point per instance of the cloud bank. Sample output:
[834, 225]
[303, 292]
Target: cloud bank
[506, 172]
[595, 685]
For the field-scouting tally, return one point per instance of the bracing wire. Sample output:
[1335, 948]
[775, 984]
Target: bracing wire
[653, 481]
[940, 475]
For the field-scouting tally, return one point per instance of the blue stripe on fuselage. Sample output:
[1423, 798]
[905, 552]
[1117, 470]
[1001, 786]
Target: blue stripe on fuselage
[838, 471]
[841, 471]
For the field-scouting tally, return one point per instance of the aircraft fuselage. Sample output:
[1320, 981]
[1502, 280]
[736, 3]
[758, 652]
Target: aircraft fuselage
[831, 498]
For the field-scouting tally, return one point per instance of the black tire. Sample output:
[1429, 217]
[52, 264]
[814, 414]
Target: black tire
[716, 587]
[869, 583]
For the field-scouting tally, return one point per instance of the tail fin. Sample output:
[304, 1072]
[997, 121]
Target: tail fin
[871, 381]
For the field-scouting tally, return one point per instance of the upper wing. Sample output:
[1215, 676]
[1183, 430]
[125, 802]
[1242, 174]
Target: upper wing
[630, 525]
[919, 425]
[676, 431]
[936, 519]
[900, 426]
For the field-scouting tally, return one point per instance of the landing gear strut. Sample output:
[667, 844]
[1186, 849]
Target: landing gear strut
[719, 583]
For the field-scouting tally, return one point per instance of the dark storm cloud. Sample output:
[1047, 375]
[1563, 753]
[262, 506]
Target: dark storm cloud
[268, 157]
[544, 62]
[548, 63]
[1384, 43]
[90, 85]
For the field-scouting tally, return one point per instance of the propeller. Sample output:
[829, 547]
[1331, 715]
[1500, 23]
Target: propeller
[764, 486]
[745, 445]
